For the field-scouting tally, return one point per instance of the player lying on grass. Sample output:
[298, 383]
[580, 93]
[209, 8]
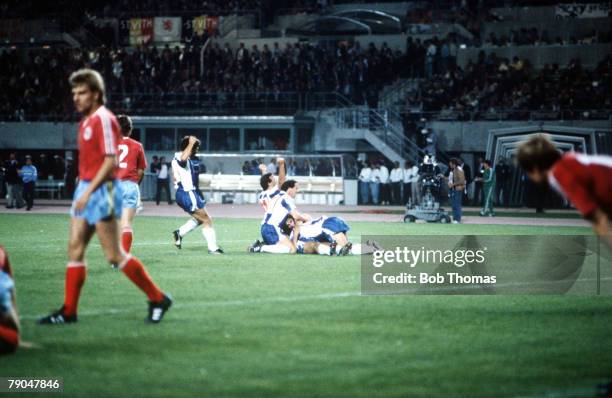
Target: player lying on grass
[281, 206]
[270, 183]
[325, 235]
[187, 197]
[132, 164]
[9, 320]
[97, 202]
[585, 180]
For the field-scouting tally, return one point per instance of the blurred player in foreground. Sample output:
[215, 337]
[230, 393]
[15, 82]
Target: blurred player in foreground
[97, 202]
[585, 180]
[9, 320]
[132, 164]
[185, 177]
[270, 184]
[282, 205]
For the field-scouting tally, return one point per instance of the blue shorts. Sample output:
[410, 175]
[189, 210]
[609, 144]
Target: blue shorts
[131, 194]
[270, 234]
[189, 201]
[104, 203]
[333, 226]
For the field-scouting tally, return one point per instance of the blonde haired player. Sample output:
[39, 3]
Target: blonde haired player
[97, 202]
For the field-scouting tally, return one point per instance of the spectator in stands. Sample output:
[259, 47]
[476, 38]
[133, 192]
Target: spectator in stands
[29, 175]
[246, 168]
[375, 179]
[411, 180]
[467, 172]
[365, 176]
[43, 167]
[154, 165]
[385, 188]
[271, 167]
[59, 168]
[163, 180]
[396, 178]
[479, 171]
[13, 183]
[503, 174]
[291, 167]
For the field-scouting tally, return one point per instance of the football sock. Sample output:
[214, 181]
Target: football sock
[356, 249]
[126, 239]
[277, 249]
[136, 272]
[9, 339]
[189, 226]
[211, 238]
[324, 250]
[76, 271]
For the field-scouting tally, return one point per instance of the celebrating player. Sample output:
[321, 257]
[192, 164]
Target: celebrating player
[270, 184]
[132, 164]
[583, 179]
[325, 235]
[282, 205]
[9, 320]
[187, 198]
[98, 202]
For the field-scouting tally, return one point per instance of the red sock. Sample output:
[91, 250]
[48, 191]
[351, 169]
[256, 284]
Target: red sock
[126, 239]
[9, 339]
[75, 278]
[137, 273]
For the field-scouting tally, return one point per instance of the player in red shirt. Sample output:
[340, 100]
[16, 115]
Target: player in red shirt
[585, 180]
[9, 320]
[97, 202]
[131, 168]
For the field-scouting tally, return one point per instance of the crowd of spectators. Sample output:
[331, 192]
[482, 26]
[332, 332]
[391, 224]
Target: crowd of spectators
[532, 37]
[129, 8]
[35, 85]
[492, 84]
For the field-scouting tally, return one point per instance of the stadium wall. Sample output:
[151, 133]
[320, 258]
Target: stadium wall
[473, 136]
[453, 136]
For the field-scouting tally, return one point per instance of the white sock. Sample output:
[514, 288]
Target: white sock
[356, 249]
[189, 226]
[211, 238]
[276, 249]
[324, 250]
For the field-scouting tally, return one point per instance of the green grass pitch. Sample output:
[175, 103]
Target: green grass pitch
[291, 326]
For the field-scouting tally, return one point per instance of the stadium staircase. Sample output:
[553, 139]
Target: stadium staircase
[381, 128]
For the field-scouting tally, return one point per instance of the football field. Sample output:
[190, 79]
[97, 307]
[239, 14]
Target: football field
[291, 326]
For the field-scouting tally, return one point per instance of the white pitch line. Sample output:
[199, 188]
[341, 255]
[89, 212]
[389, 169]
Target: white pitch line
[225, 303]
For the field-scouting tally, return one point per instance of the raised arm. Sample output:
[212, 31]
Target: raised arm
[186, 154]
[282, 171]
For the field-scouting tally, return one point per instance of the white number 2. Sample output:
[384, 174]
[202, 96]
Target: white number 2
[124, 152]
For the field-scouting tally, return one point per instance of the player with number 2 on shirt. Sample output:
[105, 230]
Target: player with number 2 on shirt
[131, 168]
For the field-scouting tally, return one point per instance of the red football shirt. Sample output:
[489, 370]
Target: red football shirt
[5, 265]
[131, 159]
[98, 137]
[585, 180]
